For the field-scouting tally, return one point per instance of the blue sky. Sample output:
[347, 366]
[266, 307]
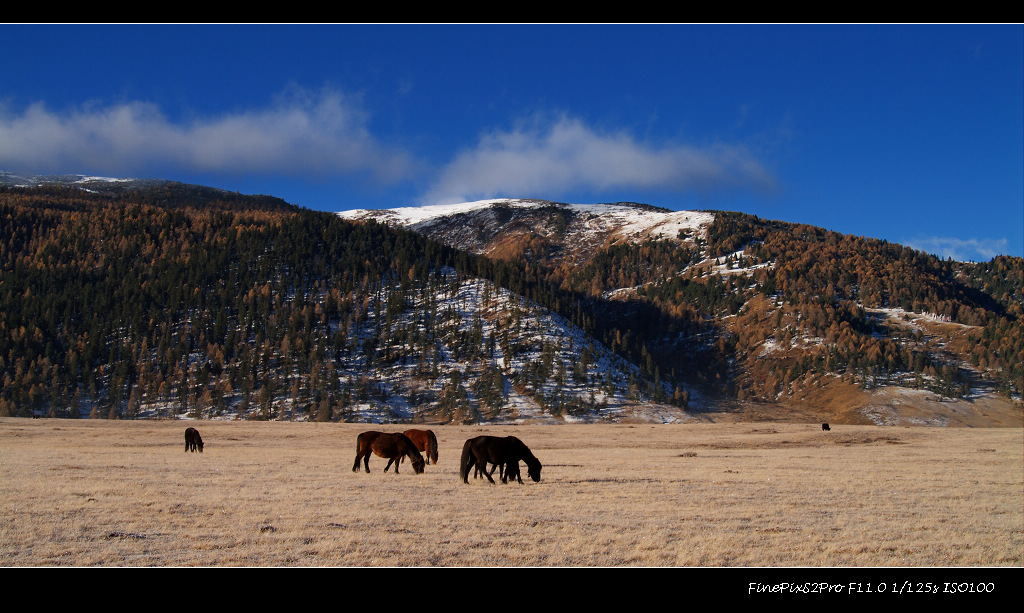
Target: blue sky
[911, 133]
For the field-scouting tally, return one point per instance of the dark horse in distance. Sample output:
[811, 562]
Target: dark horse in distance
[504, 451]
[425, 441]
[193, 442]
[393, 446]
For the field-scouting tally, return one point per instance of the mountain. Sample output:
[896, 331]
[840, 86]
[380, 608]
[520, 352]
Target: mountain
[510, 229]
[151, 303]
[134, 299]
[768, 317]
[159, 192]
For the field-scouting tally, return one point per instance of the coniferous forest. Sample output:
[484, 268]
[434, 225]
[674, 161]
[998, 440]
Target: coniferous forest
[112, 303]
[160, 302]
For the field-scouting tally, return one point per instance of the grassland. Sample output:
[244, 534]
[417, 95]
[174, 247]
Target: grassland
[109, 493]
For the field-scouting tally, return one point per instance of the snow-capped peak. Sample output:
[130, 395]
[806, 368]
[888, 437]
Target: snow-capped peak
[590, 224]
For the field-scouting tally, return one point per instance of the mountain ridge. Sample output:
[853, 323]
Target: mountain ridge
[118, 308]
[737, 255]
[482, 226]
[503, 311]
[160, 192]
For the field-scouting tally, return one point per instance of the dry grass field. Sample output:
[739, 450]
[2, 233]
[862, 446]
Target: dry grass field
[107, 493]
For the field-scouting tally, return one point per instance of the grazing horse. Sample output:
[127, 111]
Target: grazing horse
[505, 451]
[193, 442]
[392, 446]
[825, 427]
[425, 441]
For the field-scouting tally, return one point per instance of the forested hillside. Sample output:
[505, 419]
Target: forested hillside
[788, 304]
[141, 304]
[171, 300]
[754, 309]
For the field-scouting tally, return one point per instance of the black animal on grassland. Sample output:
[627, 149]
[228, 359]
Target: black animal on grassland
[193, 442]
[509, 450]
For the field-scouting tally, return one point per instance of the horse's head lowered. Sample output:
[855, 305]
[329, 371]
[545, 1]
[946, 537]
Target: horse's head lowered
[533, 469]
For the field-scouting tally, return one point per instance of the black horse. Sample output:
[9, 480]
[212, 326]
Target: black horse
[824, 427]
[193, 442]
[505, 452]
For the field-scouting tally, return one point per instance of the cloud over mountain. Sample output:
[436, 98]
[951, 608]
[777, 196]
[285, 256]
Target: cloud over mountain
[556, 157]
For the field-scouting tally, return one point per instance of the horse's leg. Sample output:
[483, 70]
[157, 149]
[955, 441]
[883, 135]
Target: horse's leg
[390, 462]
[482, 465]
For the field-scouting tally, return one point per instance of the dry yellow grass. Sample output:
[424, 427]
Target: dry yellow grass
[106, 493]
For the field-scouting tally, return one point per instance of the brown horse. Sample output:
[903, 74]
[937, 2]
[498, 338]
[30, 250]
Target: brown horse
[193, 442]
[425, 441]
[392, 446]
[507, 452]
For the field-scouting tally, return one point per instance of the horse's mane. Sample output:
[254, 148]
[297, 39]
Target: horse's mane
[523, 450]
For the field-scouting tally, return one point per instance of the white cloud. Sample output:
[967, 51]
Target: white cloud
[547, 159]
[961, 250]
[300, 134]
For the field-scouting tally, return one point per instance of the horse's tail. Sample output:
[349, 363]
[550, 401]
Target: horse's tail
[431, 446]
[466, 462]
[360, 444]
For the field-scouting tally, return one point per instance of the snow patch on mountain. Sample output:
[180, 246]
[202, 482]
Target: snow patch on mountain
[618, 221]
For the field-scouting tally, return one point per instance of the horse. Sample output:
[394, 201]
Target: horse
[392, 446]
[824, 427]
[505, 451]
[193, 441]
[508, 470]
[425, 441]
